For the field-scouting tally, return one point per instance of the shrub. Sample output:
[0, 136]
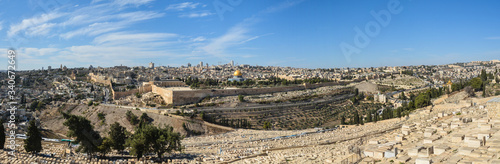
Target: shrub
[101, 116]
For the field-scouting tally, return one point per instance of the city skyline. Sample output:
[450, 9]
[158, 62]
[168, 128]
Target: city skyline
[304, 33]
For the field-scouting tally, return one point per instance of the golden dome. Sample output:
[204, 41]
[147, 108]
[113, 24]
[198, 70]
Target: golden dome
[237, 73]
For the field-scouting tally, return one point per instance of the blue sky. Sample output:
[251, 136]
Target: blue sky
[296, 33]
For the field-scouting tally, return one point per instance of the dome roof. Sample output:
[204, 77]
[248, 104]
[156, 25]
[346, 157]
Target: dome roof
[237, 73]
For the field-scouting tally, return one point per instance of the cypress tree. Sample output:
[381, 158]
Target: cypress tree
[33, 143]
[356, 118]
[2, 137]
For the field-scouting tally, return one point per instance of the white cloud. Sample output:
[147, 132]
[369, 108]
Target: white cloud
[255, 37]
[233, 36]
[124, 38]
[41, 30]
[238, 34]
[31, 25]
[97, 55]
[123, 20]
[89, 20]
[182, 6]
[199, 39]
[33, 52]
[197, 14]
[92, 30]
[132, 2]
[95, 1]
[112, 55]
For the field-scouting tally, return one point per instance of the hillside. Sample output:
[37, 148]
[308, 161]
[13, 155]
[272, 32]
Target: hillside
[52, 120]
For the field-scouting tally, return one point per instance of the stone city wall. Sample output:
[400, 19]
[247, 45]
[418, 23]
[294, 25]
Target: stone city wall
[141, 90]
[118, 95]
[172, 83]
[99, 79]
[180, 97]
[165, 93]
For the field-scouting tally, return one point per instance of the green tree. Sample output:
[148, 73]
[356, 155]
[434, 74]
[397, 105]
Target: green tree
[118, 136]
[484, 76]
[23, 99]
[399, 112]
[342, 120]
[202, 115]
[144, 118]
[491, 76]
[361, 120]
[149, 138]
[101, 116]
[137, 144]
[476, 83]
[402, 96]
[132, 118]
[166, 141]
[33, 105]
[81, 128]
[368, 117]
[356, 118]
[2, 137]
[241, 98]
[422, 100]
[105, 146]
[484, 90]
[267, 125]
[33, 144]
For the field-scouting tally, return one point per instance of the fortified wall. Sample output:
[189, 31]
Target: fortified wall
[117, 95]
[180, 97]
[100, 79]
[141, 90]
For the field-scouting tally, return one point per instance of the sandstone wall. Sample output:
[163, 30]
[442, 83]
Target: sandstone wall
[172, 83]
[165, 93]
[99, 79]
[143, 89]
[180, 97]
[117, 95]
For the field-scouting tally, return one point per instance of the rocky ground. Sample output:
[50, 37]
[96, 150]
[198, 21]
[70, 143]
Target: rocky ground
[448, 134]
[403, 82]
[367, 87]
[460, 132]
[271, 97]
[53, 121]
[429, 134]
